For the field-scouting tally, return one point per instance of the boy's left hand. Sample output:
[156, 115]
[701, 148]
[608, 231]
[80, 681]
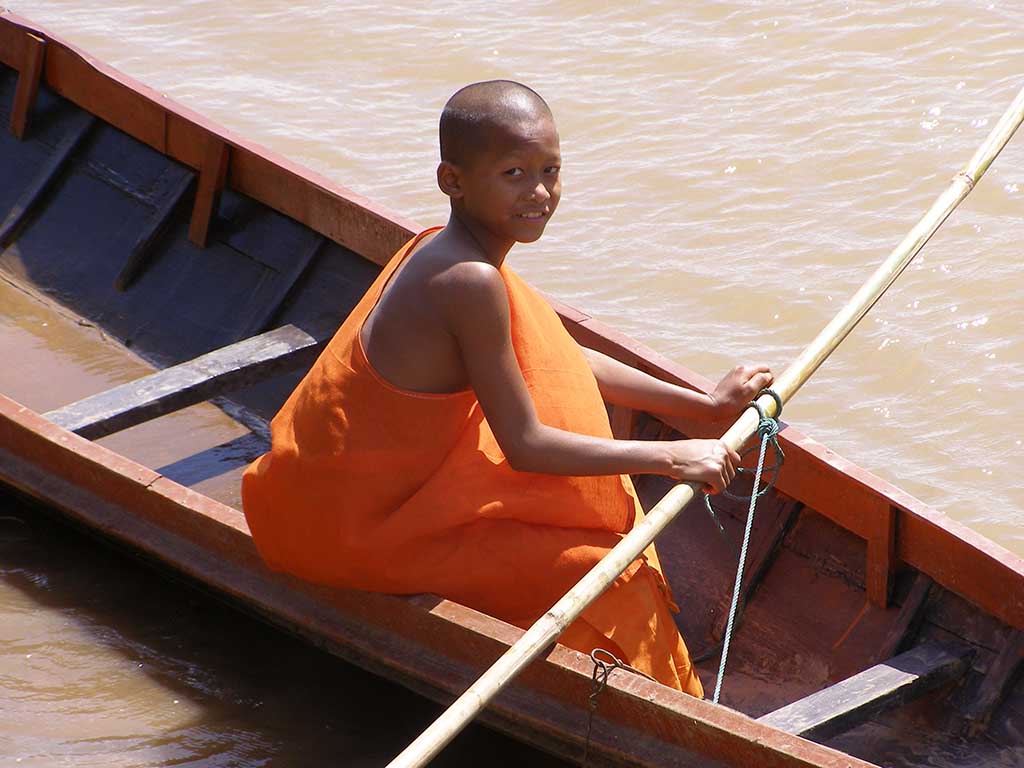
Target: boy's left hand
[737, 388]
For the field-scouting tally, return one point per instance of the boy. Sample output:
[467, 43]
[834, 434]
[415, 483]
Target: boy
[452, 438]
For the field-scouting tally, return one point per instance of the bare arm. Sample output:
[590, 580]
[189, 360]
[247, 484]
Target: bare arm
[474, 303]
[624, 385]
[621, 384]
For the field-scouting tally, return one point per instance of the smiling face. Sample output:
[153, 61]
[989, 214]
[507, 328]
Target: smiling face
[511, 189]
[501, 163]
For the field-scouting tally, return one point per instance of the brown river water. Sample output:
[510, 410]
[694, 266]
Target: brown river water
[732, 173]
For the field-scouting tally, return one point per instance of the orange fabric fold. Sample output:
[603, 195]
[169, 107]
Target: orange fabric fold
[370, 486]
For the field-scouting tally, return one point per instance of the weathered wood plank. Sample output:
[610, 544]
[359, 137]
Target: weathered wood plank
[28, 83]
[87, 83]
[12, 42]
[880, 570]
[80, 126]
[760, 559]
[180, 386]
[997, 681]
[859, 698]
[337, 213]
[286, 280]
[908, 619]
[155, 226]
[212, 173]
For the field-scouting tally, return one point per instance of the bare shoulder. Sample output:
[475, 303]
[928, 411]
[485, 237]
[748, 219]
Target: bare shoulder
[442, 302]
[472, 281]
[451, 264]
[464, 288]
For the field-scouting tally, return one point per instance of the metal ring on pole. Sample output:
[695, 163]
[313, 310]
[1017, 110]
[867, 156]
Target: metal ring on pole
[774, 396]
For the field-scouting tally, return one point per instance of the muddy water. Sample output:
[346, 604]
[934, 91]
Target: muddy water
[732, 173]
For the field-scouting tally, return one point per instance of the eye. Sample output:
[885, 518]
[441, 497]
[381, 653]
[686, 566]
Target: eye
[514, 172]
[553, 170]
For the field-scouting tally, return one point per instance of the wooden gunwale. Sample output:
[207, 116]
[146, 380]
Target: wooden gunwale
[210, 542]
[182, 134]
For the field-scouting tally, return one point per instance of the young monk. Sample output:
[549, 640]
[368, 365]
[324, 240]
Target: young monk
[452, 438]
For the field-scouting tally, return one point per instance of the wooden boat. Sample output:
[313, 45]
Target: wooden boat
[875, 630]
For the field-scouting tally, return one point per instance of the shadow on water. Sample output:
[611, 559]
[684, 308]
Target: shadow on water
[171, 676]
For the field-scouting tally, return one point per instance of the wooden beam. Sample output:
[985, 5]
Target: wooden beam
[28, 83]
[80, 126]
[908, 619]
[147, 115]
[156, 224]
[857, 699]
[998, 679]
[354, 222]
[265, 314]
[180, 386]
[212, 173]
[880, 569]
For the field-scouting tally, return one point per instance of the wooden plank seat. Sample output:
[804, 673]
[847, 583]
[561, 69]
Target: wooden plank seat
[215, 373]
[897, 681]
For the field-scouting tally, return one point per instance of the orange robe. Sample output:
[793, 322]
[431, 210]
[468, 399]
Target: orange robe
[370, 486]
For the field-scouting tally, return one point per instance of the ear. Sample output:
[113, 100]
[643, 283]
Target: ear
[449, 179]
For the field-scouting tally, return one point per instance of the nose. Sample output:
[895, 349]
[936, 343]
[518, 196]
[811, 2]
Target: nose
[540, 192]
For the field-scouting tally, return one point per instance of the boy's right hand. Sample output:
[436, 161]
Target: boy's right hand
[710, 462]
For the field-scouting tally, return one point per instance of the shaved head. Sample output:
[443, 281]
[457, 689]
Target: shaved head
[479, 114]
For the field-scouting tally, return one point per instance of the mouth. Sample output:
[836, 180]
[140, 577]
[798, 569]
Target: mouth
[532, 215]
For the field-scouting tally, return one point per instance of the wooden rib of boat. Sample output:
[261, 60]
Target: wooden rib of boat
[875, 629]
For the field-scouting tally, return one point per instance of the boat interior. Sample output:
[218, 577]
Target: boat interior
[207, 302]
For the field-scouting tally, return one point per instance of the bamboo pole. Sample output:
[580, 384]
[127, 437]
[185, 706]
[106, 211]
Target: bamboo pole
[547, 629]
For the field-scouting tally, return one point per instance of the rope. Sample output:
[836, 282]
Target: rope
[768, 429]
[775, 469]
